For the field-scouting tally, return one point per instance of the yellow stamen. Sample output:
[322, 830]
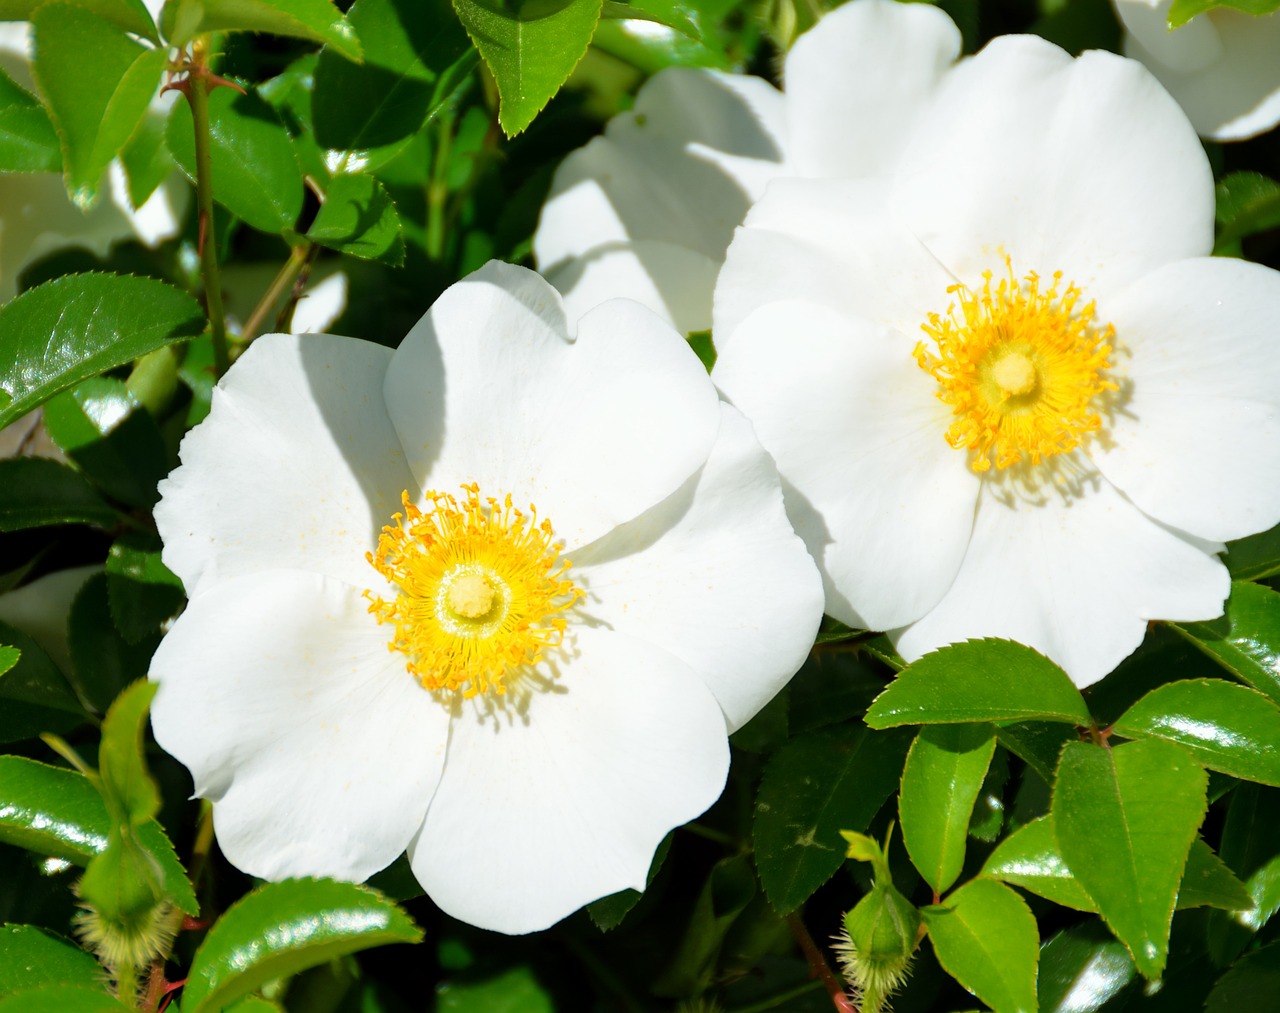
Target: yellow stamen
[1022, 368]
[482, 590]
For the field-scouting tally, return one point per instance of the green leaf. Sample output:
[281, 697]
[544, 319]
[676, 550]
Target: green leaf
[31, 957]
[255, 171]
[316, 20]
[979, 680]
[725, 894]
[358, 218]
[28, 141]
[988, 811]
[672, 13]
[608, 912]
[531, 46]
[1030, 858]
[36, 492]
[1081, 969]
[985, 937]
[1247, 202]
[105, 663]
[1245, 640]
[283, 928]
[1038, 743]
[127, 788]
[814, 787]
[1226, 727]
[944, 771]
[111, 438]
[57, 334]
[1255, 557]
[1250, 847]
[1182, 11]
[63, 999]
[513, 991]
[1125, 818]
[97, 83]
[34, 694]
[9, 657]
[146, 159]
[131, 15]
[1252, 984]
[1207, 882]
[830, 631]
[416, 56]
[124, 885]
[143, 591]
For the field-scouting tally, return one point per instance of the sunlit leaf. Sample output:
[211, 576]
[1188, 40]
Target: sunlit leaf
[1245, 640]
[359, 219]
[64, 999]
[316, 20]
[1081, 969]
[31, 957]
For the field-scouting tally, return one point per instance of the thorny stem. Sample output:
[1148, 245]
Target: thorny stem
[818, 966]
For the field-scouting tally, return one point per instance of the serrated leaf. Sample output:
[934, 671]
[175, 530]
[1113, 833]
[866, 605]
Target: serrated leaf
[513, 991]
[416, 56]
[283, 928]
[36, 492]
[104, 662]
[1182, 11]
[316, 20]
[1125, 818]
[945, 769]
[1252, 984]
[131, 15]
[125, 884]
[814, 787]
[1207, 882]
[830, 631]
[531, 46]
[143, 591]
[979, 680]
[28, 141]
[359, 219]
[985, 937]
[1030, 858]
[608, 912]
[1247, 202]
[63, 999]
[127, 788]
[1255, 557]
[1245, 640]
[1081, 969]
[34, 694]
[31, 957]
[1226, 727]
[57, 334]
[255, 171]
[97, 83]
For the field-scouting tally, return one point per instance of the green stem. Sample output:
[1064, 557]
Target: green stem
[438, 190]
[127, 985]
[283, 282]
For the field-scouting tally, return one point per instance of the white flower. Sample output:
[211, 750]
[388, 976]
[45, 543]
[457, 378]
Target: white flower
[1008, 391]
[310, 684]
[1223, 66]
[647, 210]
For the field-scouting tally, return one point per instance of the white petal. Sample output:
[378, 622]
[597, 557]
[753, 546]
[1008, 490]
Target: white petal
[321, 304]
[487, 388]
[1084, 166]
[674, 282]
[1077, 582]
[715, 575]
[538, 814]
[1197, 444]
[297, 466]
[857, 431]
[319, 751]
[1194, 46]
[856, 80]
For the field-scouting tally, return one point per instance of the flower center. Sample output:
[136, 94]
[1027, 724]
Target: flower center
[482, 590]
[1023, 368]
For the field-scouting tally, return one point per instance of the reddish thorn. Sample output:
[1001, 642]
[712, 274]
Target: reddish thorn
[221, 82]
[172, 986]
[190, 924]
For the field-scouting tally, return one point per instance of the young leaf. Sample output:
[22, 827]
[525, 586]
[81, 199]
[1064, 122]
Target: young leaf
[97, 83]
[283, 928]
[316, 20]
[1081, 969]
[143, 591]
[63, 999]
[28, 142]
[531, 46]
[31, 957]
[359, 219]
[985, 937]
[1030, 858]
[1125, 818]
[1245, 640]
[940, 782]
[36, 492]
[1257, 556]
[57, 334]
[127, 788]
[814, 787]
[34, 694]
[1226, 727]
[979, 680]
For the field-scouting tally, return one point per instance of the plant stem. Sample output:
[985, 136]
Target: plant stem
[127, 985]
[818, 965]
[298, 259]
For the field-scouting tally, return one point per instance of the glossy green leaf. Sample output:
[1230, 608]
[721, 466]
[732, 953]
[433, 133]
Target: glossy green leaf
[989, 809]
[979, 680]
[1252, 984]
[36, 492]
[416, 56]
[1082, 969]
[1207, 882]
[359, 219]
[944, 771]
[1182, 11]
[1245, 640]
[9, 657]
[110, 437]
[513, 991]
[1255, 557]
[97, 83]
[814, 787]
[28, 141]
[283, 928]
[608, 912]
[146, 158]
[34, 695]
[143, 591]
[1250, 847]
[32, 957]
[57, 334]
[1125, 818]
[131, 15]
[1038, 743]
[985, 937]
[316, 20]
[104, 662]
[1030, 858]
[63, 999]
[126, 785]
[728, 889]
[1226, 727]
[531, 46]
[255, 172]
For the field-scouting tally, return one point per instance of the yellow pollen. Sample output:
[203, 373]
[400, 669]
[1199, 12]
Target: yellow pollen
[482, 591]
[1023, 368]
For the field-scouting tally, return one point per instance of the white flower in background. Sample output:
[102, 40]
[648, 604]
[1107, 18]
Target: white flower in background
[1223, 66]
[36, 215]
[42, 609]
[388, 646]
[1008, 391]
[647, 210]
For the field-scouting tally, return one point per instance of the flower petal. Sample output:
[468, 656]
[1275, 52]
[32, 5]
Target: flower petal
[880, 499]
[487, 388]
[1197, 443]
[318, 749]
[296, 467]
[1084, 166]
[715, 575]
[541, 812]
[1078, 581]
[855, 81]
